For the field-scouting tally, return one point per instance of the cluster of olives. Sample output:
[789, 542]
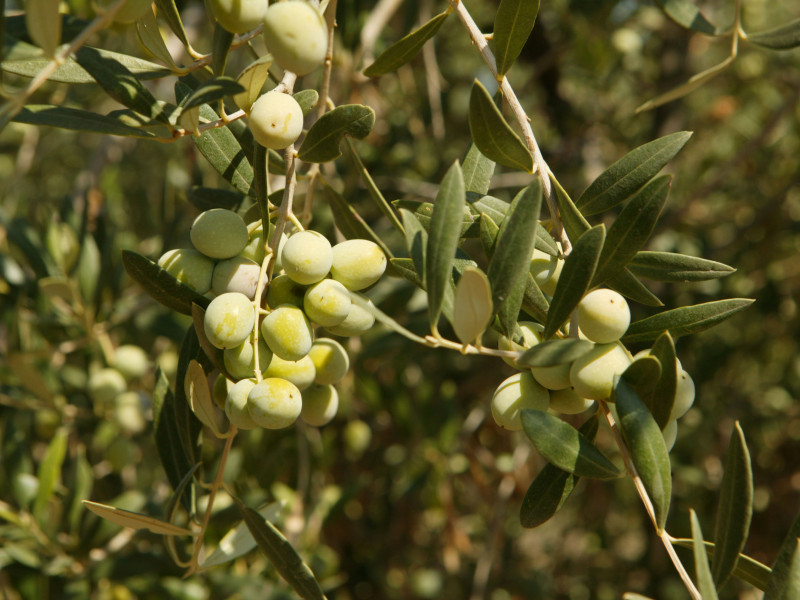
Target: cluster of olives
[289, 373]
[109, 388]
[603, 317]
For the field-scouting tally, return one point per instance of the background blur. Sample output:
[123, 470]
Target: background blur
[412, 492]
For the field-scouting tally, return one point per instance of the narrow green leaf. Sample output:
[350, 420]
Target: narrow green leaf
[162, 286]
[80, 488]
[493, 135]
[555, 352]
[705, 583]
[784, 37]
[685, 320]
[221, 46]
[239, 541]
[307, 99]
[478, 171]
[174, 504]
[374, 193]
[416, 242]
[552, 486]
[777, 587]
[488, 235]
[49, 474]
[424, 211]
[508, 311]
[404, 267]
[574, 222]
[443, 240]
[686, 14]
[44, 24]
[534, 301]
[513, 249]
[747, 569]
[321, 143]
[576, 275]
[649, 453]
[168, 442]
[513, 24]
[735, 508]
[188, 426]
[119, 83]
[673, 267]
[206, 198]
[565, 447]
[199, 395]
[617, 183]
[149, 36]
[406, 48]
[89, 269]
[77, 120]
[663, 397]
[496, 210]
[632, 228]
[692, 84]
[127, 518]
[212, 90]
[281, 554]
[626, 284]
[224, 152]
[642, 374]
[349, 222]
[168, 10]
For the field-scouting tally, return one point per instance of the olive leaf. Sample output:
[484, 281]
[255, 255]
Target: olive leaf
[405, 48]
[321, 143]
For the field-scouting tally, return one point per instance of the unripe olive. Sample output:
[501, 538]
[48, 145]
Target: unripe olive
[330, 360]
[238, 16]
[684, 395]
[299, 372]
[296, 36]
[219, 233]
[236, 274]
[531, 335]
[543, 267]
[567, 402]
[219, 391]
[274, 403]
[229, 320]
[516, 393]
[189, 266]
[320, 403]
[555, 377]
[276, 120]
[327, 303]
[670, 433]
[603, 315]
[358, 321]
[592, 375]
[357, 264]
[240, 361]
[131, 361]
[284, 290]
[236, 404]
[287, 332]
[128, 413]
[104, 385]
[307, 257]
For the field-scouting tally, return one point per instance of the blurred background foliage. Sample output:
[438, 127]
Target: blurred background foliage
[412, 492]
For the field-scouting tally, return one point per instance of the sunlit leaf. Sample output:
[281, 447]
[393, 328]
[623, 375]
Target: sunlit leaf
[629, 286]
[579, 268]
[574, 222]
[493, 135]
[49, 474]
[134, 520]
[199, 395]
[149, 35]
[472, 308]
[77, 120]
[252, 79]
[777, 588]
[685, 320]
[747, 569]
[686, 14]
[643, 438]
[239, 541]
[705, 583]
[187, 424]
[416, 242]
[169, 11]
[513, 24]
[622, 179]
[443, 240]
[565, 447]
[692, 84]
[44, 24]
[321, 143]
[477, 171]
[735, 508]
[406, 48]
